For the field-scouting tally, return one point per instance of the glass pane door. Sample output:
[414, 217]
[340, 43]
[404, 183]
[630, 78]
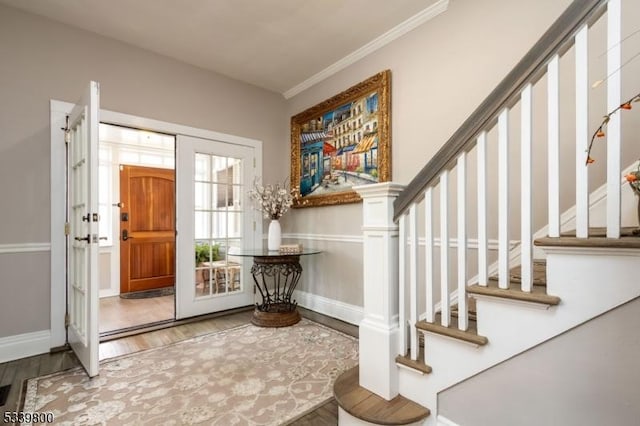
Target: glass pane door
[218, 216]
[212, 180]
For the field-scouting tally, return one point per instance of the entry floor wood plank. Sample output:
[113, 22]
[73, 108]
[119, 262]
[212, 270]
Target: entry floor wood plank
[117, 313]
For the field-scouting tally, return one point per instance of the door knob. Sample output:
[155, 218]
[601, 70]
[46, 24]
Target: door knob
[125, 235]
[87, 238]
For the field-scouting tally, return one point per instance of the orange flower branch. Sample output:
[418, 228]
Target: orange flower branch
[599, 133]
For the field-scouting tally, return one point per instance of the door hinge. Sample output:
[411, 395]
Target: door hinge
[254, 226]
[67, 132]
[254, 162]
[67, 320]
[67, 228]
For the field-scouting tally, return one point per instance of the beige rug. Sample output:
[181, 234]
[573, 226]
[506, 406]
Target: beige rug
[244, 376]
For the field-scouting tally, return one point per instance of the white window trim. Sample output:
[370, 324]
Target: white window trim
[58, 112]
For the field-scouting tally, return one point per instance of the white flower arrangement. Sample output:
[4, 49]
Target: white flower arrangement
[273, 200]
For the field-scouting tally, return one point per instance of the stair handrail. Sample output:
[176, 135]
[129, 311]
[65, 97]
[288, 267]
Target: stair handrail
[530, 68]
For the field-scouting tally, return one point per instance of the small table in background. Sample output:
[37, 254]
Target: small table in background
[275, 276]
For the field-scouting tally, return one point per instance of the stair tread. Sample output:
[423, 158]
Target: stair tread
[539, 273]
[418, 364]
[471, 309]
[470, 335]
[538, 293]
[629, 238]
[366, 405]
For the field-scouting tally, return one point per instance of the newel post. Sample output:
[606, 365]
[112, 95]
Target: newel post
[379, 329]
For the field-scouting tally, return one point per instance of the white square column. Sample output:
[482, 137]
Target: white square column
[379, 329]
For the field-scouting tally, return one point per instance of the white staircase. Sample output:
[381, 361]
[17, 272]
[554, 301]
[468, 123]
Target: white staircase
[435, 244]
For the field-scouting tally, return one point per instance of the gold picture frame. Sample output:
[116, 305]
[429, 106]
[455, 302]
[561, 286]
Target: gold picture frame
[342, 142]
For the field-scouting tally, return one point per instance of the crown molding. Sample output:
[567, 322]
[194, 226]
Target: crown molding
[386, 38]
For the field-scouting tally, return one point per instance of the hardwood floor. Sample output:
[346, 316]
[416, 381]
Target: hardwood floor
[117, 313]
[15, 372]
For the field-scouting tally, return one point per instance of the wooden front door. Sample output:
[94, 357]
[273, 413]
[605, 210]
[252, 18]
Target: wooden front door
[147, 228]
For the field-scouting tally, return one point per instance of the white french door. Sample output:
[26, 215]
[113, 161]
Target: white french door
[213, 215]
[82, 238]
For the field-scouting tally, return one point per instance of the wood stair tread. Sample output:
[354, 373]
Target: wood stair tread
[470, 335]
[417, 364]
[538, 293]
[366, 405]
[629, 238]
[539, 273]
[471, 309]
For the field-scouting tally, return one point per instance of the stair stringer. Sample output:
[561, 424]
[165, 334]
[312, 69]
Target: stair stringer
[589, 282]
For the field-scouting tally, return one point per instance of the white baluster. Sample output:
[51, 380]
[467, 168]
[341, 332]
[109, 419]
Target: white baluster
[428, 264]
[482, 209]
[614, 24]
[402, 282]
[526, 184]
[413, 281]
[582, 133]
[428, 250]
[553, 140]
[503, 199]
[445, 319]
[463, 318]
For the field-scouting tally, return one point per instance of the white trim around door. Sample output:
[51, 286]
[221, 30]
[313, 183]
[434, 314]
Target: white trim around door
[58, 113]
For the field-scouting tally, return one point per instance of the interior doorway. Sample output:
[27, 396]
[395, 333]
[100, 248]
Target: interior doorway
[138, 215]
[190, 145]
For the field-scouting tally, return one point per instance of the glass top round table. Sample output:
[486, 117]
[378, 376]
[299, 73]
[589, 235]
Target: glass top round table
[275, 275]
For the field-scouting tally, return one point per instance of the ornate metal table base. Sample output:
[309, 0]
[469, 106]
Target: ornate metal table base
[275, 278]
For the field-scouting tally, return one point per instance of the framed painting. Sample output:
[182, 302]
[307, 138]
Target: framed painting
[342, 142]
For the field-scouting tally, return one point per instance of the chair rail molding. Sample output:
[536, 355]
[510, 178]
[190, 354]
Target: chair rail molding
[24, 248]
[340, 238]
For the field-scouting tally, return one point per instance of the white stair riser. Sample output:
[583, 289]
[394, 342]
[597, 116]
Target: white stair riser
[588, 282]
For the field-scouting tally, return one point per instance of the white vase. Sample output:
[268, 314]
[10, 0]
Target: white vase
[275, 235]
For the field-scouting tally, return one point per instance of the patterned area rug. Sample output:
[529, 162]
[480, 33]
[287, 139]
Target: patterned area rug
[243, 376]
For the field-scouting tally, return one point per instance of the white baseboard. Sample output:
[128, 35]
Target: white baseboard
[443, 421]
[343, 311]
[24, 345]
[108, 292]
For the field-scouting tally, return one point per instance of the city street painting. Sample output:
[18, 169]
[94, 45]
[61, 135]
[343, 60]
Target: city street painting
[341, 143]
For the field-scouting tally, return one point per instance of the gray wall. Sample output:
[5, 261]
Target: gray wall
[440, 72]
[587, 376]
[43, 60]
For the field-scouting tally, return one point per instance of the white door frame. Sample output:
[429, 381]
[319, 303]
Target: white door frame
[58, 113]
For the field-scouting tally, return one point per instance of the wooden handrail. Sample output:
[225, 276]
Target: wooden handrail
[530, 68]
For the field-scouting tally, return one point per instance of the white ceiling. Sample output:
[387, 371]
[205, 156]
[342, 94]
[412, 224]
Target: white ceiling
[280, 45]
